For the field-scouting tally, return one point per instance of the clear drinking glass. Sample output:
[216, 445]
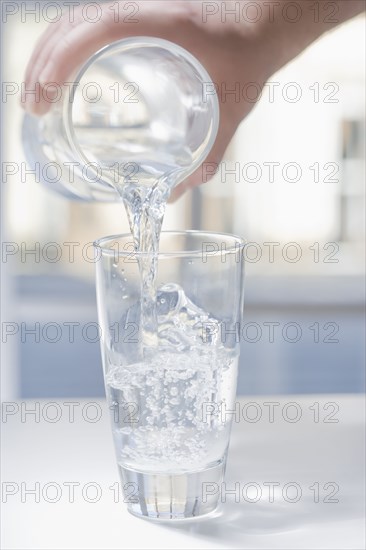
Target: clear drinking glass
[169, 410]
[141, 105]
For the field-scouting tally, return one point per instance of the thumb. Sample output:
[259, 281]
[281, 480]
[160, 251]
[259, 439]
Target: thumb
[208, 168]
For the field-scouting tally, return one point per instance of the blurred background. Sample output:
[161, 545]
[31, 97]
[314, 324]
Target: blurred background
[292, 184]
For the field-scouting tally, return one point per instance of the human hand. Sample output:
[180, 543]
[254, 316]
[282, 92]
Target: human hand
[235, 53]
[227, 55]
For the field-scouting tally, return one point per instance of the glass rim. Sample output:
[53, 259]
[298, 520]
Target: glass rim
[130, 43]
[237, 246]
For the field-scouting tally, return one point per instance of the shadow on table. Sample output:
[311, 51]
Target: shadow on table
[235, 522]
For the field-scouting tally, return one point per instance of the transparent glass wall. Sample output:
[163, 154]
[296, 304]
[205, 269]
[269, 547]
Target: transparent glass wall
[292, 183]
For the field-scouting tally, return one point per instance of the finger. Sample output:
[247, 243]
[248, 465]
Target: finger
[199, 176]
[28, 100]
[65, 51]
[179, 191]
[70, 52]
[45, 46]
[79, 43]
[60, 53]
[39, 48]
[37, 64]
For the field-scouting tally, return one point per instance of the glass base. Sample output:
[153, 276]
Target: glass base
[172, 496]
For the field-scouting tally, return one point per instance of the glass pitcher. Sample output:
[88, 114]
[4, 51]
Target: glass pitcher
[140, 108]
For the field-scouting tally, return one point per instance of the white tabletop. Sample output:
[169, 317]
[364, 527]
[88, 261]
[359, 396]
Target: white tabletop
[311, 461]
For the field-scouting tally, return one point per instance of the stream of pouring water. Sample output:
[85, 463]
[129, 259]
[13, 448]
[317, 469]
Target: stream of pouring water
[145, 210]
[147, 170]
[177, 371]
[145, 202]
